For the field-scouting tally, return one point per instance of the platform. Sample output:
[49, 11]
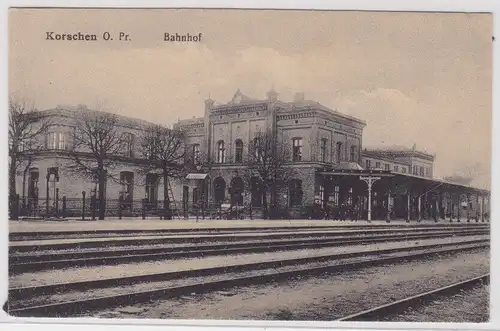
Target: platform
[156, 224]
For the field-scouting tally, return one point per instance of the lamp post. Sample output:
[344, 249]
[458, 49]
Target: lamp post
[369, 180]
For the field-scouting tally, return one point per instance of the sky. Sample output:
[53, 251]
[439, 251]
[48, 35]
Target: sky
[423, 78]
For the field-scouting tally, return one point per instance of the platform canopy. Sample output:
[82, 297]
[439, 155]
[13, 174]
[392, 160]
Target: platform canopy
[356, 172]
[196, 176]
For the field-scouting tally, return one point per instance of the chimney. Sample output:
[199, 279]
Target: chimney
[209, 103]
[298, 97]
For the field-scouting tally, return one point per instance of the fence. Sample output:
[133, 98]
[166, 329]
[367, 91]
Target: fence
[87, 207]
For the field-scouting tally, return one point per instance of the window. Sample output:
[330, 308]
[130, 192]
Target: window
[404, 170]
[339, 151]
[221, 157]
[257, 148]
[56, 140]
[219, 189]
[196, 153]
[422, 171]
[387, 166]
[428, 172]
[127, 185]
[128, 144]
[322, 195]
[256, 192]
[353, 154]
[409, 169]
[297, 149]
[336, 195]
[323, 150]
[296, 193]
[396, 168]
[377, 165]
[238, 155]
[152, 188]
[61, 141]
[34, 176]
[415, 170]
[368, 164]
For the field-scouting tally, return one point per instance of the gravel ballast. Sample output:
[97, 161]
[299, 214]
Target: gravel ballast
[469, 306]
[318, 298]
[133, 269]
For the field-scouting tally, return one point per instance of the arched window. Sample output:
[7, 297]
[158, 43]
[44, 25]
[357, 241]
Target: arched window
[238, 153]
[221, 156]
[353, 154]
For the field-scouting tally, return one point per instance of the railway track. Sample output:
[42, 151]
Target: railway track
[42, 245]
[22, 236]
[60, 299]
[36, 262]
[387, 310]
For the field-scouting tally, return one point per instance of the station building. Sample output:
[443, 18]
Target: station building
[43, 179]
[330, 164]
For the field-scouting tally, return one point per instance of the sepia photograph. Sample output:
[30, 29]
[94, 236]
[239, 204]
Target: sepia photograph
[249, 164]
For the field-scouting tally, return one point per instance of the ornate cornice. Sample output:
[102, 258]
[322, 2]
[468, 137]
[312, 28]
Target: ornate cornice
[296, 115]
[191, 126]
[235, 109]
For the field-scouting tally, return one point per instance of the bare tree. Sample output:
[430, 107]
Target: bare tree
[96, 145]
[268, 161]
[26, 126]
[164, 154]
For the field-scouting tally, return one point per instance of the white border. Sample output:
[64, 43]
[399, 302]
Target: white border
[7, 323]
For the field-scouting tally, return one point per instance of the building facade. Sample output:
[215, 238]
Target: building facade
[332, 170]
[46, 184]
[331, 167]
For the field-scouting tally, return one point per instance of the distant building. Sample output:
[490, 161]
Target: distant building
[399, 160]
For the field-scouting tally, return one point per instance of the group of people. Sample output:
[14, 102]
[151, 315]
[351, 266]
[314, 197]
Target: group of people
[343, 212]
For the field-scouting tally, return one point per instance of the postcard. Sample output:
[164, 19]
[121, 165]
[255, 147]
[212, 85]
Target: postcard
[246, 164]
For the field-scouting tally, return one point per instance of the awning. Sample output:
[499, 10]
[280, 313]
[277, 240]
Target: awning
[342, 172]
[196, 176]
